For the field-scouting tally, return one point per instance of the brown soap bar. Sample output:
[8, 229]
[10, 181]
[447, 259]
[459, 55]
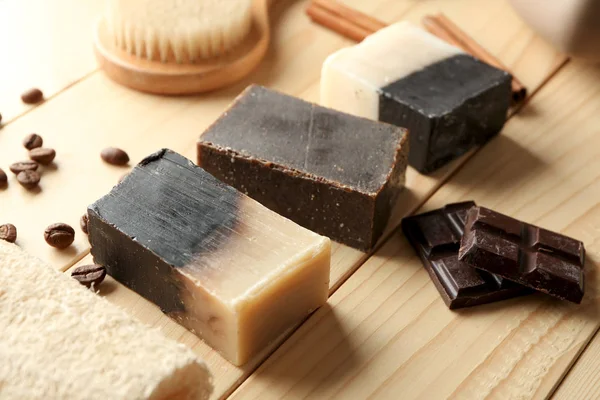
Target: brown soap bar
[333, 173]
[436, 235]
[546, 261]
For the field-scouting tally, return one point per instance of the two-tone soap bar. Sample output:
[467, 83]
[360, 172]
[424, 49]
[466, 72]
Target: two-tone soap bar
[331, 172]
[448, 100]
[230, 270]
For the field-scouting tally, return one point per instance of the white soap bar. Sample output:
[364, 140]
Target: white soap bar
[62, 341]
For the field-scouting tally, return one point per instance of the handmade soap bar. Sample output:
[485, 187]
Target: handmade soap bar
[448, 100]
[330, 172]
[532, 256]
[436, 235]
[62, 341]
[225, 267]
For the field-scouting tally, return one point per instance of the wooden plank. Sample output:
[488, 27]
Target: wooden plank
[96, 113]
[45, 44]
[387, 332]
[583, 380]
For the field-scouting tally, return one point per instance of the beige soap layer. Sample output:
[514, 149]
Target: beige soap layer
[282, 276]
[352, 78]
[61, 341]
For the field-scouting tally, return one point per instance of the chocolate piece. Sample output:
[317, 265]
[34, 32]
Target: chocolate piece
[532, 256]
[222, 265]
[436, 235]
[330, 172]
[448, 100]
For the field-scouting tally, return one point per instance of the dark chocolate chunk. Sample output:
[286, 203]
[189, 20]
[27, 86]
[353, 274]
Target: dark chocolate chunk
[448, 107]
[333, 173]
[545, 261]
[436, 235]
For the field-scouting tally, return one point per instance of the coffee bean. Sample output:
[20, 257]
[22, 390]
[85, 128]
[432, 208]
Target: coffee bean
[32, 96]
[83, 223]
[33, 141]
[23, 166]
[0, 118]
[28, 179]
[114, 156]
[59, 235]
[42, 155]
[89, 274]
[3, 178]
[8, 232]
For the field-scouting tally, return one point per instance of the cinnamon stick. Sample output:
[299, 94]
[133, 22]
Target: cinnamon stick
[355, 25]
[335, 23]
[356, 17]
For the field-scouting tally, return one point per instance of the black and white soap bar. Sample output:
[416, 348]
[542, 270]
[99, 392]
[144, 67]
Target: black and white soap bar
[403, 75]
[224, 266]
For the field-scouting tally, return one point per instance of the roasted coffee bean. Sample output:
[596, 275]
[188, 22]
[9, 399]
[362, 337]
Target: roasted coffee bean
[83, 223]
[89, 274]
[28, 179]
[114, 156]
[59, 235]
[23, 166]
[33, 141]
[42, 155]
[32, 96]
[0, 118]
[8, 232]
[3, 178]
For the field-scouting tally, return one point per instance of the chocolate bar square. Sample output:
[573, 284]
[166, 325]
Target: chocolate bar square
[436, 236]
[540, 259]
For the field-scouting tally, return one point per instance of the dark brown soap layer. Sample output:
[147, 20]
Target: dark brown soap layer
[543, 260]
[165, 213]
[436, 236]
[448, 107]
[333, 173]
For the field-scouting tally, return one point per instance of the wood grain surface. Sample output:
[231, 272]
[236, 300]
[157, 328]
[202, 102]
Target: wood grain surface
[387, 330]
[43, 44]
[344, 260]
[386, 325]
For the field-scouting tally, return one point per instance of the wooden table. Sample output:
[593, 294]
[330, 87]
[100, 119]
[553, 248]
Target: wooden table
[385, 332]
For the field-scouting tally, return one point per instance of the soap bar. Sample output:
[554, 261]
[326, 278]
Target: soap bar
[333, 173]
[62, 341]
[436, 235]
[540, 259]
[222, 265]
[448, 100]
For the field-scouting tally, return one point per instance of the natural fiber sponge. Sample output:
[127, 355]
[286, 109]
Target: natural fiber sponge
[178, 30]
[62, 341]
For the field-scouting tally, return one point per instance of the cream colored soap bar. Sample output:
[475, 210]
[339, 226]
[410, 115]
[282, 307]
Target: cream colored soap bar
[59, 340]
[218, 262]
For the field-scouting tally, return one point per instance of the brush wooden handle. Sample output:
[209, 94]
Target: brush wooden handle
[181, 79]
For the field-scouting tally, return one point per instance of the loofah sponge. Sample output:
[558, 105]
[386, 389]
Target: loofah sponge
[61, 341]
[178, 30]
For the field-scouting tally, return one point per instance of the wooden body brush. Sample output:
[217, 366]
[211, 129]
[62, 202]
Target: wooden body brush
[181, 46]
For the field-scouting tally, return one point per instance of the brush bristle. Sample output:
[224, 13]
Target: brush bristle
[178, 30]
